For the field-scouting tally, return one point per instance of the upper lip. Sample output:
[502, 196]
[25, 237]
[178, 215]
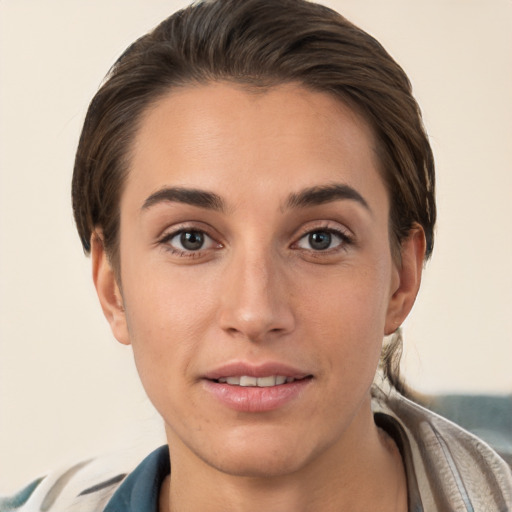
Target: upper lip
[240, 368]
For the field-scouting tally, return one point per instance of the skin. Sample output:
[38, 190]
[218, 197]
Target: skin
[259, 291]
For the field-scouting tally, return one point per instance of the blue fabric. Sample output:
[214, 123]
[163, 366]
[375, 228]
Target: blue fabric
[19, 499]
[141, 489]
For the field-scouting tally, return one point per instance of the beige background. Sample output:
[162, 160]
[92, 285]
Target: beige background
[67, 390]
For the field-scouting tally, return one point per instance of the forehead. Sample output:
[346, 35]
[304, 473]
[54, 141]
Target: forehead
[219, 133]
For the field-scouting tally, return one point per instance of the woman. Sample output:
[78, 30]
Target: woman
[256, 190]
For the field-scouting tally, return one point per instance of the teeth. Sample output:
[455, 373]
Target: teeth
[248, 381]
[261, 382]
[264, 382]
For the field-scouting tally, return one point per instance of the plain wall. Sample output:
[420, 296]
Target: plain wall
[68, 390]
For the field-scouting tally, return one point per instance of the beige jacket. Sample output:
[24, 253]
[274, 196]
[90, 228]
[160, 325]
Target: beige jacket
[448, 469]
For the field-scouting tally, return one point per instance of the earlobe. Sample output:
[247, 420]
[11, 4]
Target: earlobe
[408, 280]
[108, 290]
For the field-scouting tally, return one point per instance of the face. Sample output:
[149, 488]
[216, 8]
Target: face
[257, 277]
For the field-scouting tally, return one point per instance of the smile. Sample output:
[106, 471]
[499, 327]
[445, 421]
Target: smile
[260, 382]
[251, 394]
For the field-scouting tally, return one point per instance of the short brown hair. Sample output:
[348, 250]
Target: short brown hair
[259, 43]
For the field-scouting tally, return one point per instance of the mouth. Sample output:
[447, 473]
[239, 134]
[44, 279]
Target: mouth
[259, 382]
[257, 388]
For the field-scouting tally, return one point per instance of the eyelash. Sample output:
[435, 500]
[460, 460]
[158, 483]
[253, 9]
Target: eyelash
[345, 241]
[166, 239]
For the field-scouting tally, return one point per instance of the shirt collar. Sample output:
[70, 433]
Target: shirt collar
[141, 488]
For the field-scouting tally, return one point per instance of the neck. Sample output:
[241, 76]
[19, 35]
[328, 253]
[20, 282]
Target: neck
[360, 472]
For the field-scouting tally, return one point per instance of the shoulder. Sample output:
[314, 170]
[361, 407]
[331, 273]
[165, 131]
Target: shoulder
[454, 469]
[86, 486]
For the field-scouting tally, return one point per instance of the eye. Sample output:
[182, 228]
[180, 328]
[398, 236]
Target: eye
[322, 240]
[189, 240]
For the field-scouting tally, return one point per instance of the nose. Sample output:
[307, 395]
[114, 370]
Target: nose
[255, 298]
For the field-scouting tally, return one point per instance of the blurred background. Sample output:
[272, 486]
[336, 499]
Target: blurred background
[68, 390]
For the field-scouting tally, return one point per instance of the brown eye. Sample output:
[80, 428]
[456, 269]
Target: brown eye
[192, 240]
[189, 240]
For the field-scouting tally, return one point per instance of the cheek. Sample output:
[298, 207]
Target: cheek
[162, 297]
[347, 314]
[171, 311]
[165, 315]
[161, 331]
[353, 296]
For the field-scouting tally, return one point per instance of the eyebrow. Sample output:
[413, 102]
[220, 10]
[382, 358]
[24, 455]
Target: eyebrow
[192, 196]
[312, 196]
[325, 194]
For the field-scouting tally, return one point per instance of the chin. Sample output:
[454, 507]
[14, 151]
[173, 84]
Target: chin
[270, 456]
[260, 465]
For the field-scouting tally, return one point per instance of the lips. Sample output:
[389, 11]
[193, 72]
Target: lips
[259, 371]
[256, 388]
[261, 382]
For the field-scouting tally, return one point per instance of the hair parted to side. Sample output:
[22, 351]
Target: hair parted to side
[258, 43]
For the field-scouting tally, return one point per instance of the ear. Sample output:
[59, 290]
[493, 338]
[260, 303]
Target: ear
[407, 279]
[108, 290]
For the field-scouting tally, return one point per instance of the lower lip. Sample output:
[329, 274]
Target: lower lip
[256, 399]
